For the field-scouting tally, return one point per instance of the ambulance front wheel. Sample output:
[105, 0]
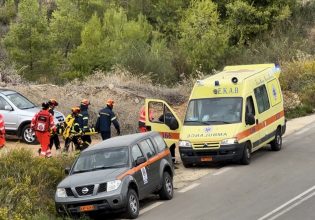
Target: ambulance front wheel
[276, 144]
[245, 160]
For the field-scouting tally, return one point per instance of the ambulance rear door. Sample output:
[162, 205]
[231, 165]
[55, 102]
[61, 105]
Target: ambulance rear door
[161, 118]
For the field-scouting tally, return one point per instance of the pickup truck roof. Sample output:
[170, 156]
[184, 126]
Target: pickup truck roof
[126, 140]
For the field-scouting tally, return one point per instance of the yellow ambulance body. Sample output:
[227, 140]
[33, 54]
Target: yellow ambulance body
[229, 115]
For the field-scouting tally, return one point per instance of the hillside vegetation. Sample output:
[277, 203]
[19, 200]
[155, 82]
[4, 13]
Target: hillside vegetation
[167, 42]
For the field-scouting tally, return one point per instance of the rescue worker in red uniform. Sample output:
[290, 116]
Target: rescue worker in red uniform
[54, 138]
[106, 117]
[42, 123]
[141, 125]
[2, 132]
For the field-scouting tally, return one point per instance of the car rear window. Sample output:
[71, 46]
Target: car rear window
[160, 143]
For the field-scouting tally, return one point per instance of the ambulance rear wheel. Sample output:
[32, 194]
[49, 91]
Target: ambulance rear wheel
[245, 160]
[276, 144]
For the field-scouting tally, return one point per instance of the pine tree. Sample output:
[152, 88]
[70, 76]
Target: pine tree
[28, 43]
[203, 38]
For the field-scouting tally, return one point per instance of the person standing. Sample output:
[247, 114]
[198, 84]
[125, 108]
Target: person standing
[42, 123]
[54, 138]
[105, 118]
[84, 107]
[72, 132]
[141, 123]
[2, 132]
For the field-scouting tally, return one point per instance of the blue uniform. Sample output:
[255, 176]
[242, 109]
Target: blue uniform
[85, 123]
[106, 117]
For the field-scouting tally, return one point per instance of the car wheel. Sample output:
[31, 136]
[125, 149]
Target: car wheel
[276, 144]
[28, 135]
[132, 204]
[167, 190]
[245, 160]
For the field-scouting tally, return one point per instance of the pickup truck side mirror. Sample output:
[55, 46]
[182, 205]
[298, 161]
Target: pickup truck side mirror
[67, 170]
[250, 119]
[8, 108]
[140, 160]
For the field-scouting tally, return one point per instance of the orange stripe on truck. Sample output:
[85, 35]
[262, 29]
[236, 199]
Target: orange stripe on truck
[147, 163]
[259, 126]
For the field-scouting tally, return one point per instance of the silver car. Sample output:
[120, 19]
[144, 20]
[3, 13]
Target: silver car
[18, 112]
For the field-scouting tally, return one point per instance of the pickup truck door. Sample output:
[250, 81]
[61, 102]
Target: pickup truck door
[163, 120]
[9, 115]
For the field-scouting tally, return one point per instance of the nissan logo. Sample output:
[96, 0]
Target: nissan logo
[85, 190]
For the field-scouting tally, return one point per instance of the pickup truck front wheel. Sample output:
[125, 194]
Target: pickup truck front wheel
[132, 204]
[28, 135]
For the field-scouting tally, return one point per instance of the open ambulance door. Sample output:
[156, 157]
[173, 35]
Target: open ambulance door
[161, 118]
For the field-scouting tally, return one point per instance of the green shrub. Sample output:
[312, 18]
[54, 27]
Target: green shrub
[299, 111]
[28, 184]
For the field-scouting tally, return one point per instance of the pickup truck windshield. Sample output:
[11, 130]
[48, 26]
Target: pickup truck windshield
[214, 111]
[20, 101]
[102, 159]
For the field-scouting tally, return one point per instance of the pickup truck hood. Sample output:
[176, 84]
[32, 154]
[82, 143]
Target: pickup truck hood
[91, 178]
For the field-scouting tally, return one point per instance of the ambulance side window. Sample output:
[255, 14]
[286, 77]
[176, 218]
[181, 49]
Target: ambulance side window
[156, 109]
[262, 98]
[250, 109]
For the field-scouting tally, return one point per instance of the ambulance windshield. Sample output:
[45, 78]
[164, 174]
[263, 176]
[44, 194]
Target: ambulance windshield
[214, 111]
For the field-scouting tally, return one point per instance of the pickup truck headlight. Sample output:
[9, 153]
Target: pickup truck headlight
[229, 141]
[113, 185]
[184, 144]
[61, 193]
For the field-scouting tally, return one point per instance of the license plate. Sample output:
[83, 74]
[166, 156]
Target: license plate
[206, 159]
[87, 208]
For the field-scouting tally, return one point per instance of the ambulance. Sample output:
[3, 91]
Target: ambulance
[229, 116]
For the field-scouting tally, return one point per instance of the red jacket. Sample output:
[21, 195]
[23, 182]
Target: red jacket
[50, 123]
[2, 128]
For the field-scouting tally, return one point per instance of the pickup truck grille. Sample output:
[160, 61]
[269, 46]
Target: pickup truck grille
[206, 145]
[85, 190]
[69, 192]
[102, 187]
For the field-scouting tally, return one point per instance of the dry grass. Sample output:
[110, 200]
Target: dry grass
[126, 90]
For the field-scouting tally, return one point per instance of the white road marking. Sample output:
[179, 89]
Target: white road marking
[222, 171]
[150, 207]
[292, 206]
[190, 187]
[294, 202]
[302, 131]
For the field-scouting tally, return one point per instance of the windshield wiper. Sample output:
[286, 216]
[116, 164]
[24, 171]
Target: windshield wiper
[98, 168]
[224, 122]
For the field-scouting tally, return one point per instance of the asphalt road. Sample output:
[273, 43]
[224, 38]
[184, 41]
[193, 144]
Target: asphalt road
[276, 185]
